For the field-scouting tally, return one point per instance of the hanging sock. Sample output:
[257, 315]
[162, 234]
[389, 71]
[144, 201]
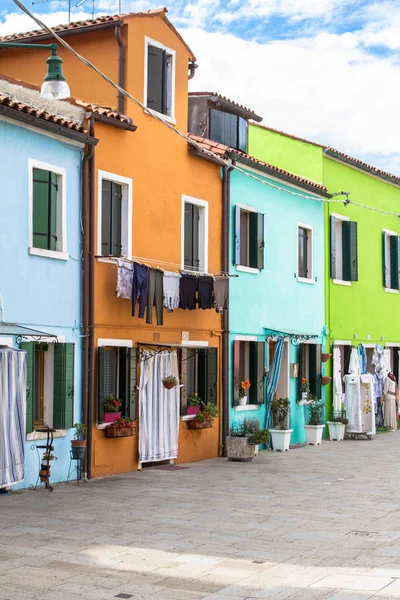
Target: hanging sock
[187, 289]
[221, 294]
[139, 288]
[155, 295]
[205, 287]
[171, 290]
[124, 279]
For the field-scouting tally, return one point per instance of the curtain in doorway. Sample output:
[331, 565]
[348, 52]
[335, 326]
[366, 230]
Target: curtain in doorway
[272, 379]
[337, 382]
[159, 408]
[13, 364]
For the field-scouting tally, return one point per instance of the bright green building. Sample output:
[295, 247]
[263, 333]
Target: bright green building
[362, 246]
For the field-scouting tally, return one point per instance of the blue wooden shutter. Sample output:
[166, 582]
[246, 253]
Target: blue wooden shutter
[29, 347]
[333, 247]
[237, 237]
[106, 219]
[350, 251]
[394, 262]
[63, 387]
[155, 72]
[385, 254]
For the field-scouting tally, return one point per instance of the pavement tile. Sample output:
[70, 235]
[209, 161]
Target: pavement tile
[354, 582]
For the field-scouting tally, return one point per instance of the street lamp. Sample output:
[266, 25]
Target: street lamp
[54, 85]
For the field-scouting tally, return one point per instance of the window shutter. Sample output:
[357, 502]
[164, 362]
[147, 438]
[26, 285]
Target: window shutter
[100, 384]
[236, 372]
[242, 125]
[213, 128]
[155, 62]
[195, 240]
[116, 219]
[133, 383]
[394, 262]
[386, 274]
[188, 235]
[40, 225]
[29, 347]
[208, 375]
[350, 252]
[237, 236]
[314, 369]
[333, 247]
[318, 371]
[63, 390]
[300, 371]
[52, 211]
[124, 373]
[260, 241]
[260, 380]
[106, 219]
[184, 389]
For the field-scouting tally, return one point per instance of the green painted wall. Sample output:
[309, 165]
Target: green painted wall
[297, 157]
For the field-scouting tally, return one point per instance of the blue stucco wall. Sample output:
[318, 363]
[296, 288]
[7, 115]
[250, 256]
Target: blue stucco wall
[39, 292]
[274, 298]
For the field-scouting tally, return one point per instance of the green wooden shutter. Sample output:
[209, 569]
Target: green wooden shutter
[300, 371]
[195, 241]
[133, 384]
[184, 389]
[385, 255]
[155, 70]
[314, 369]
[333, 247]
[124, 379]
[256, 240]
[116, 219]
[318, 370]
[236, 372]
[40, 209]
[29, 347]
[191, 236]
[63, 388]
[100, 384]
[260, 380]
[350, 251]
[208, 375]
[394, 262]
[53, 190]
[106, 218]
[237, 237]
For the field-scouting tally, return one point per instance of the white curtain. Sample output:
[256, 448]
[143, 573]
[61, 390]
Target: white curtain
[367, 404]
[337, 380]
[353, 402]
[159, 408]
[12, 415]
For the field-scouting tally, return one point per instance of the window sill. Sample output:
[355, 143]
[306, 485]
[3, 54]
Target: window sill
[41, 435]
[247, 269]
[246, 407]
[390, 291]
[188, 417]
[305, 280]
[48, 253]
[152, 113]
[112, 260]
[341, 282]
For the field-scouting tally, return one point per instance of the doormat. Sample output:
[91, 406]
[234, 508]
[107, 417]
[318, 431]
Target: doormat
[171, 468]
[295, 446]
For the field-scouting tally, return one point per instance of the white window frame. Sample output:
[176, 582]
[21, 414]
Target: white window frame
[390, 234]
[339, 217]
[150, 42]
[126, 184]
[243, 268]
[310, 253]
[61, 173]
[203, 232]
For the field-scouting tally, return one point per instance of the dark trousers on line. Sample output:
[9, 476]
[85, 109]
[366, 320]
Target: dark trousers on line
[156, 292]
[139, 288]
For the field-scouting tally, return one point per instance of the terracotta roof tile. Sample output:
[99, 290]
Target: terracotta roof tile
[225, 99]
[104, 111]
[226, 152]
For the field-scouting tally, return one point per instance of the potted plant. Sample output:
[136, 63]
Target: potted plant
[337, 428]
[314, 429]
[122, 427]
[78, 444]
[240, 443]
[112, 408]
[261, 436]
[325, 379]
[280, 433]
[45, 467]
[305, 391]
[193, 404]
[204, 418]
[325, 356]
[244, 385]
[170, 382]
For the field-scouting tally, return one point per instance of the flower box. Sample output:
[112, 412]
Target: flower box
[192, 410]
[196, 424]
[116, 432]
[111, 417]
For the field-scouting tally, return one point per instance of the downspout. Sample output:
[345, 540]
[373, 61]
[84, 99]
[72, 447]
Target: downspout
[121, 66]
[225, 315]
[91, 349]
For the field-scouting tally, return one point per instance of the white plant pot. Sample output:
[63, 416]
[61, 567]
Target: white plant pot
[336, 431]
[243, 401]
[314, 434]
[280, 439]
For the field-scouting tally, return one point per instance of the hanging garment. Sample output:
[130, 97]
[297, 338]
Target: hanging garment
[139, 288]
[387, 361]
[159, 408]
[378, 363]
[273, 378]
[389, 403]
[205, 292]
[13, 373]
[155, 296]
[221, 293]
[171, 290]
[367, 404]
[124, 279]
[362, 358]
[187, 292]
[379, 411]
[353, 402]
[354, 365]
[337, 381]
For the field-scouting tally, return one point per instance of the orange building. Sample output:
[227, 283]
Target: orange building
[157, 205]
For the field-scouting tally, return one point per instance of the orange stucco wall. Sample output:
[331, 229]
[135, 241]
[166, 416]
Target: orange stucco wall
[162, 170]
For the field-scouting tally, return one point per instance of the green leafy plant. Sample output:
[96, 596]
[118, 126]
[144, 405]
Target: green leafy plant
[315, 408]
[261, 436]
[48, 456]
[170, 379]
[280, 411]
[244, 428]
[80, 431]
[194, 400]
[342, 420]
[112, 404]
[209, 413]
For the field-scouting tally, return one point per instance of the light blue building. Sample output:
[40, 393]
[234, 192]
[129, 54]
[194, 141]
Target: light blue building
[41, 157]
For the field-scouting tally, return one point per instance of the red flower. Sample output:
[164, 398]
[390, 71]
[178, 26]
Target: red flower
[116, 403]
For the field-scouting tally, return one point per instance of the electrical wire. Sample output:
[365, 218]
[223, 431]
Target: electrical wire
[193, 143]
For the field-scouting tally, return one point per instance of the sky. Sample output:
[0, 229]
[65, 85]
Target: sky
[326, 70]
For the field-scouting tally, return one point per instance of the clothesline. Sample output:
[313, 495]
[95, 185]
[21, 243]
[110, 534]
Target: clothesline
[170, 264]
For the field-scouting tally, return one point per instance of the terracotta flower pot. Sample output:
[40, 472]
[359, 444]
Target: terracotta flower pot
[169, 384]
[78, 448]
[117, 432]
[325, 356]
[325, 379]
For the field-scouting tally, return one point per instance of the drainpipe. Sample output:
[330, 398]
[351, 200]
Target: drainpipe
[121, 64]
[192, 69]
[225, 317]
[91, 255]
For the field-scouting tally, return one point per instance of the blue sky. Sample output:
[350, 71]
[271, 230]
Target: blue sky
[327, 70]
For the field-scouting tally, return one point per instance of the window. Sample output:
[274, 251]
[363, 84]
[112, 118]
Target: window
[115, 215]
[50, 385]
[199, 374]
[47, 208]
[391, 260]
[249, 238]
[344, 251]
[304, 252]
[194, 234]
[249, 363]
[160, 78]
[310, 368]
[228, 129]
[117, 376]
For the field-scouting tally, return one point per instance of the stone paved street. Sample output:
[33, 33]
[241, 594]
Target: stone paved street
[323, 523]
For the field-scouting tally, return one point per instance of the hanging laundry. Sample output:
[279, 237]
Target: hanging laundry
[378, 363]
[354, 365]
[353, 402]
[155, 296]
[205, 292]
[337, 381]
[171, 290]
[362, 358]
[124, 279]
[389, 405]
[187, 289]
[221, 294]
[139, 288]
